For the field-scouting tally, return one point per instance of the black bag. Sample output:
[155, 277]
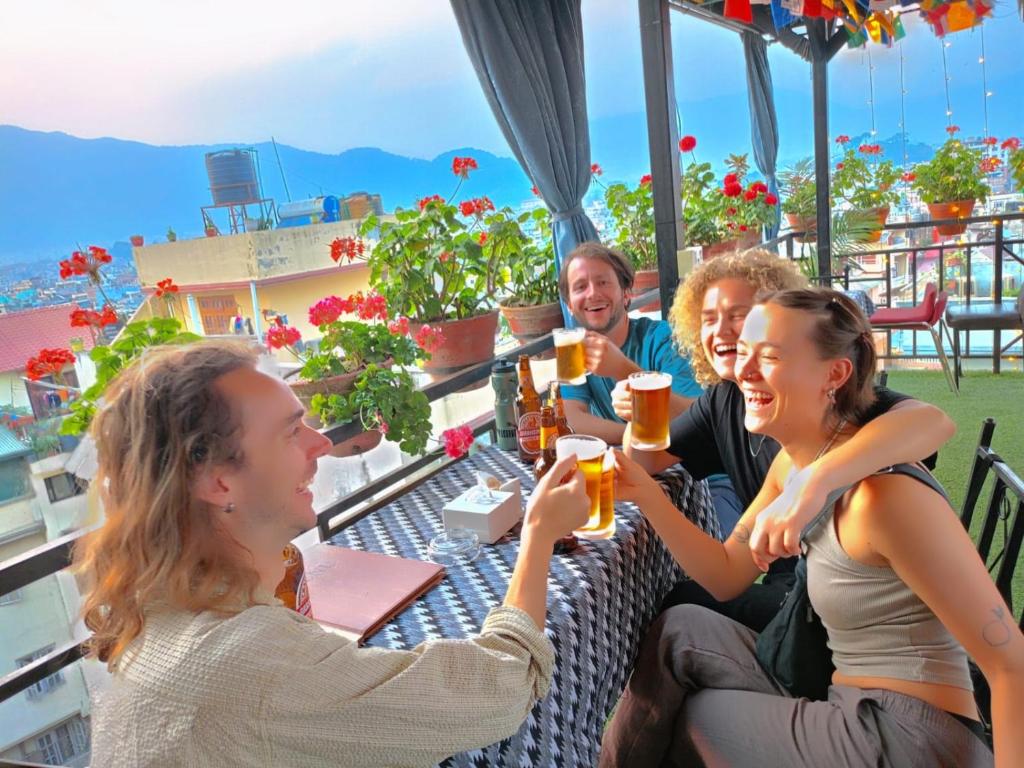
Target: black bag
[793, 648]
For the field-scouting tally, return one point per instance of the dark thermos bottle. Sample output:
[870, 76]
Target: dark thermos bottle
[505, 383]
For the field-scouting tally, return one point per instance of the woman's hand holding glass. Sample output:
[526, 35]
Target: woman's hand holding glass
[559, 503]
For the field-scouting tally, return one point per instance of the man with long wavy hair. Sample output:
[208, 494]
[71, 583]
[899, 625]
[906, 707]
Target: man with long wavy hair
[204, 472]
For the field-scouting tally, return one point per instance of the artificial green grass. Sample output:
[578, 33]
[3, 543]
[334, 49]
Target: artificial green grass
[982, 394]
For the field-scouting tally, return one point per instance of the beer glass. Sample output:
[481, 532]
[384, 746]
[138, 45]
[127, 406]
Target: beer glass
[570, 360]
[589, 452]
[650, 391]
[608, 492]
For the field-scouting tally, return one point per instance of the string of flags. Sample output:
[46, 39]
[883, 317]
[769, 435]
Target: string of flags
[864, 20]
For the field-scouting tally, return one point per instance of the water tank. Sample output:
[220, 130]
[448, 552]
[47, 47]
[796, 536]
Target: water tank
[315, 210]
[232, 174]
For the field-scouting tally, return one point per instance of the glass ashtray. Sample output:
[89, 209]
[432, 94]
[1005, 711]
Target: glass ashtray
[456, 546]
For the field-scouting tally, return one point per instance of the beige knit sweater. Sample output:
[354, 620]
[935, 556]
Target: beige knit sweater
[268, 687]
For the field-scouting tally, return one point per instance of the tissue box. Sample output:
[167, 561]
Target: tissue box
[490, 520]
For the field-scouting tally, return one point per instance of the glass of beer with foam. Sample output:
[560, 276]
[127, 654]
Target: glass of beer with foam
[570, 359]
[650, 391]
[607, 523]
[589, 452]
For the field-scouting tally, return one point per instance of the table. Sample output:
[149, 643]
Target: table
[601, 598]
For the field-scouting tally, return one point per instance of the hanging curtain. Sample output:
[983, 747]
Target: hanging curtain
[528, 56]
[764, 127]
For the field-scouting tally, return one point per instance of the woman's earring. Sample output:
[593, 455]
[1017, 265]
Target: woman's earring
[230, 507]
[831, 394]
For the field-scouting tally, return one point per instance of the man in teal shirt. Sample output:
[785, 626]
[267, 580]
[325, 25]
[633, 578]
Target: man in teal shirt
[595, 283]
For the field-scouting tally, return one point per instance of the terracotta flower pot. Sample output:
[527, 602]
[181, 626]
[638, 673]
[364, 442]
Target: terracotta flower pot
[529, 323]
[805, 224]
[741, 243]
[336, 385]
[882, 213]
[136, 240]
[211, 231]
[466, 342]
[957, 209]
[644, 280]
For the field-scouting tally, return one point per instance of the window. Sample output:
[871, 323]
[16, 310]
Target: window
[64, 743]
[47, 684]
[10, 597]
[14, 480]
[63, 486]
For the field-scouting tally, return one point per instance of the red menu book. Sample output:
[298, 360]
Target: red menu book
[356, 592]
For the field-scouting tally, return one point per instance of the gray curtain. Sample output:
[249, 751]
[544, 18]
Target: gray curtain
[764, 128]
[528, 55]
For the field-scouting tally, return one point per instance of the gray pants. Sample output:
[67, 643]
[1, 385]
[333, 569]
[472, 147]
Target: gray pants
[698, 697]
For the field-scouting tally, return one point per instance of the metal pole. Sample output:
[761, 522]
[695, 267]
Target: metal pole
[817, 34]
[663, 140]
[281, 169]
[997, 294]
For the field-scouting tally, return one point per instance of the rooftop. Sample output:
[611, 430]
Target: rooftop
[23, 334]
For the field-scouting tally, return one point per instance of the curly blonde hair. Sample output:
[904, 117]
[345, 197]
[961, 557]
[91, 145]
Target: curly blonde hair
[764, 270]
[163, 422]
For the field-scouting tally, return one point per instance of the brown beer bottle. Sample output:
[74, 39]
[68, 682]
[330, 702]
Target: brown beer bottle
[555, 398]
[548, 433]
[527, 413]
[292, 591]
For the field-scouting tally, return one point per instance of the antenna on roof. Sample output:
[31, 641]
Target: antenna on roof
[281, 169]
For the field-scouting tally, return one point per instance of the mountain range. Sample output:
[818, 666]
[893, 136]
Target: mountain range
[59, 191]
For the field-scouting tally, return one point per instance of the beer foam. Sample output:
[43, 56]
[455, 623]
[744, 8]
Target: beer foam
[565, 337]
[584, 450]
[650, 380]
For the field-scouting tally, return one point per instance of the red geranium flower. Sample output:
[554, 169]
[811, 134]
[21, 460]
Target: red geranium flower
[535, 190]
[423, 202]
[595, 169]
[347, 247]
[1011, 144]
[461, 166]
[760, 187]
[476, 207]
[457, 441]
[840, 166]
[750, 195]
[325, 311]
[730, 211]
[85, 263]
[83, 318]
[428, 339]
[399, 326]
[280, 335]
[743, 227]
[730, 178]
[49, 362]
[771, 199]
[953, 129]
[732, 190]
[165, 286]
[482, 238]
[990, 141]
[373, 307]
[687, 144]
[842, 139]
[645, 179]
[445, 257]
[108, 316]
[909, 176]
[990, 164]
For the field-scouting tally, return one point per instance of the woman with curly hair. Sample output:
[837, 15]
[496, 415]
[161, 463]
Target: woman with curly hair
[707, 318]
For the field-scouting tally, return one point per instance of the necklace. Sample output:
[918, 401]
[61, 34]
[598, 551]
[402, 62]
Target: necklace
[754, 451]
[831, 440]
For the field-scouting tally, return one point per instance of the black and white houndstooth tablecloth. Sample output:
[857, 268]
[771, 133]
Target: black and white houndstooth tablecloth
[601, 598]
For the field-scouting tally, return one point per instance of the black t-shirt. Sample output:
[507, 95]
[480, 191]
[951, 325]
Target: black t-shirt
[709, 438]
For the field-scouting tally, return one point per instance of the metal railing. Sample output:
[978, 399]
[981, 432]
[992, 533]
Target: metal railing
[54, 556]
[1000, 246]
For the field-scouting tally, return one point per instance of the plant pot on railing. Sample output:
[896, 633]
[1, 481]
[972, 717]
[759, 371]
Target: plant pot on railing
[336, 385]
[466, 342]
[529, 323]
[958, 209]
[741, 243]
[211, 231]
[882, 214]
[644, 280]
[137, 240]
[806, 224]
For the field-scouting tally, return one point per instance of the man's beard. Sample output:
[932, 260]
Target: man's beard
[617, 314]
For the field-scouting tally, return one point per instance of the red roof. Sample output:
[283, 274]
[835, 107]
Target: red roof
[23, 334]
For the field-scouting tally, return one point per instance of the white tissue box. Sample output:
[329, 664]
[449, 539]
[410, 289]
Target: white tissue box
[489, 519]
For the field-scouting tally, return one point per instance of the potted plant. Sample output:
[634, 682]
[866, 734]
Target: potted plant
[137, 240]
[431, 266]
[799, 201]
[208, 226]
[1015, 161]
[632, 211]
[356, 372]
[865, 182]
[952, 182]
[172, 236]
[529, 302]
[727, 217]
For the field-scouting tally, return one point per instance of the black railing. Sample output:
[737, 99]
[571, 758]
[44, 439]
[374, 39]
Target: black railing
[55, 555]
[1000, 245]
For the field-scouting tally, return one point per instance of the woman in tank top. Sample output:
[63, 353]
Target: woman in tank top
[891, 571]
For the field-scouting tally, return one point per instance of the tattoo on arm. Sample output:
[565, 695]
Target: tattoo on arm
[995, 632]
[741, 533]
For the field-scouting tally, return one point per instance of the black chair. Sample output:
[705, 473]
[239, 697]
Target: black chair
[1007, 487]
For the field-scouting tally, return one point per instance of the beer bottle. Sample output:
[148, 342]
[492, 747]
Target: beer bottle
[527, 413]
[292, 591]
[555, 398]
[548, 433]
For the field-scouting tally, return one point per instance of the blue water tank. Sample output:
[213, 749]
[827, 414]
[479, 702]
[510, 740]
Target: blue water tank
[314, 210]
[232, 174]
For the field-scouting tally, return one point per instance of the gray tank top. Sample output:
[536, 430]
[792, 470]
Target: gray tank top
[876, 625]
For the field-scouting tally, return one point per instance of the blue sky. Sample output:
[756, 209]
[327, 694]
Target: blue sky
[394, 74]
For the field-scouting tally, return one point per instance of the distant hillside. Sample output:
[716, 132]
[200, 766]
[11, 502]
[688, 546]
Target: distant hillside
[57, 190]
